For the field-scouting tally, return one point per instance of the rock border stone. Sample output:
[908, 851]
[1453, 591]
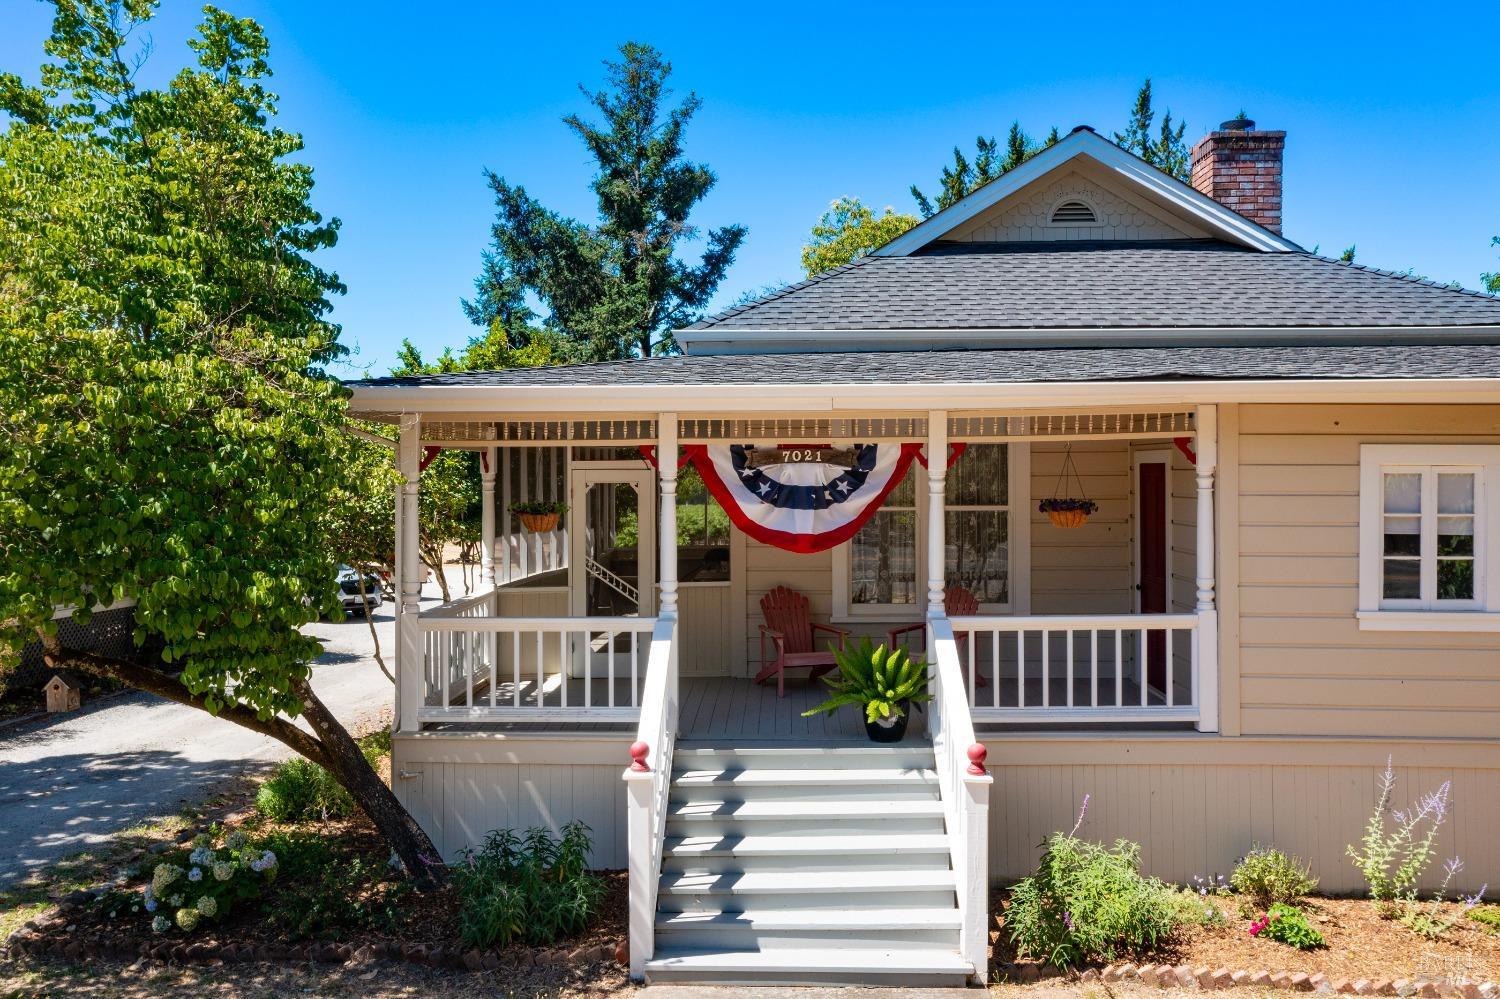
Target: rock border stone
[1213, 979]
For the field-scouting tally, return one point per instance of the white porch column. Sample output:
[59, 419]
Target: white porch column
[937, 478]
[409, 643]
[666, 464]
[487, 470]
[1207, 653]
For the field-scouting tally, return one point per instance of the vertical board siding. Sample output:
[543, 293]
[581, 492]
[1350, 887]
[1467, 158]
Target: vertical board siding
[1088, 569]
[1305, 666]
[704, 633]
[1198, 820]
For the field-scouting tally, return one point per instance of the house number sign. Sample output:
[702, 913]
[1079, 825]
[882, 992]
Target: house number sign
[842, 457]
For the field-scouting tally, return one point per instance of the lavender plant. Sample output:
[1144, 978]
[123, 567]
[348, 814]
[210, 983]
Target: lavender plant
[1398, 847]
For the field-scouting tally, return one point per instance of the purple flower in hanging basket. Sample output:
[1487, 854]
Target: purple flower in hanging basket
[1057, 505]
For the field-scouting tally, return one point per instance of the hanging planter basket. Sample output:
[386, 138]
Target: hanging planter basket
[539, 518]
[1064, 509]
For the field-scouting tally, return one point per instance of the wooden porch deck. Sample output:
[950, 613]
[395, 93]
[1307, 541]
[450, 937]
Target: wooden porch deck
[738, 709]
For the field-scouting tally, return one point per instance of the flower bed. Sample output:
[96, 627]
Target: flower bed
[1360, 945]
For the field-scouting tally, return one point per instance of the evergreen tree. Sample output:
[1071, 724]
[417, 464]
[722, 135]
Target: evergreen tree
[1167, 151]
[1491, 282]
[962, 177]
[614, 289]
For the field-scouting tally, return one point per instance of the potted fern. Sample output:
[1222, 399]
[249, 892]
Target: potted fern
[539, 516]
[885, 683]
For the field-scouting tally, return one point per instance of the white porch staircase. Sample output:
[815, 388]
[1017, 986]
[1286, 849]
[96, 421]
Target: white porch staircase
[805, 865]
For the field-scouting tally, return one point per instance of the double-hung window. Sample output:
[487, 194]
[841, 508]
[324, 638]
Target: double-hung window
[1429, 538]
[882, 571]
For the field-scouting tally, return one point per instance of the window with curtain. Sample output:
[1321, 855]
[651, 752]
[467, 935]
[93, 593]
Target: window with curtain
[885, 556]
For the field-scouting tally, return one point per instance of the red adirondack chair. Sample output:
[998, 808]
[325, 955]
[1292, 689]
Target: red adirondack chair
[788, 625]
[957, 602]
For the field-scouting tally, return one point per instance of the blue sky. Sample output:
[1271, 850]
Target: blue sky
[1391, 116]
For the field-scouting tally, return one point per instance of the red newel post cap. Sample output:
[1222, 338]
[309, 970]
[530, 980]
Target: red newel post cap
[977, 753]
[638, 751]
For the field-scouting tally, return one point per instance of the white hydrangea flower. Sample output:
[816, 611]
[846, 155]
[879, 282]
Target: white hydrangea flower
[163, 876]
[223, 871]
[236, 840]
[161, 924]
[187, 919]
[208, 906]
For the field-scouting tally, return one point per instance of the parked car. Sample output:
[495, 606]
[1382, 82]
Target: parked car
[349, 590]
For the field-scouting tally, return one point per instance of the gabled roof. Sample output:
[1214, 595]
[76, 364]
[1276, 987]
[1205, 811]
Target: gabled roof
[1009, 288]
[1126, 168]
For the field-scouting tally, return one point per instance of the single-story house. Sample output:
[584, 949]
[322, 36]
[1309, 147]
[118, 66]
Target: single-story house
[1182, 517]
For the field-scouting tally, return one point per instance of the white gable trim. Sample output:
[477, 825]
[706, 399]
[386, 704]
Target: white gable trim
[1207, 212]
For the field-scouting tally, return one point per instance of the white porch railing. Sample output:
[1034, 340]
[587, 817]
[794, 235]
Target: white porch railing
[649, 782]
[477, 667]
[1089, 668]
[965, 790]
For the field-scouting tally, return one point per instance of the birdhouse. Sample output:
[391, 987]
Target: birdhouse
[62, 695]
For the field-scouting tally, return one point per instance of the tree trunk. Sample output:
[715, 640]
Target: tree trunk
[344, 760]
[332, 748]
[364, 598]
[432, 556]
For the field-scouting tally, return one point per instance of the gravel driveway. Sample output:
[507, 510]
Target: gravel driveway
[69, 783]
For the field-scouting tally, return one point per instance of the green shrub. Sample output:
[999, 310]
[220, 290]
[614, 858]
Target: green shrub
[531, 888]
[1268, 877]
[1088, 902]
[1287, 925]
[375, 745]
[1487, 916]
[300, 790]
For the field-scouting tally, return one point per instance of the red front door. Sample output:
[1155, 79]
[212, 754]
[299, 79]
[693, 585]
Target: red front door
[1152, 530]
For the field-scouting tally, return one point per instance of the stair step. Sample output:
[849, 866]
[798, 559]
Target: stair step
[813, 920]
[845, 965]
[772, 810]
[802, 882]
[804, 778]
[711, 845]
[792, 756]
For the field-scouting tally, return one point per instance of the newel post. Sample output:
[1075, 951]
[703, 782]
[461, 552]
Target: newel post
[1207, 653]
[409, 644]
[640, 835]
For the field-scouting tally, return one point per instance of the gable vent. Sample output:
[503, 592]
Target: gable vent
[1073, 213]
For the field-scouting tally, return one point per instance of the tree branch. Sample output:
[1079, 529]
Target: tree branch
[163, 685]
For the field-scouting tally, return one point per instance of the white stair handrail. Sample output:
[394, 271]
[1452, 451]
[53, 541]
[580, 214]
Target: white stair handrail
[617, 583]
[965, 786]
[648, 781]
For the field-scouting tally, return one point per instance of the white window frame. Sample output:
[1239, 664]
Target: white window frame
[1482, 613]
[1018, 505]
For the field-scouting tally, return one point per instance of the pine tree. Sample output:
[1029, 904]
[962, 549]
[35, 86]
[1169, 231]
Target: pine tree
[1492, 281]
[962, 178]
[613, 289]
[1167, 151]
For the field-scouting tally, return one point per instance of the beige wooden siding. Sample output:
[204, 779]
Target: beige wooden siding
[1088, 569]
[1027, 214]
[462, 788]
[703, 613]
[1196, 803]
[1305, 666]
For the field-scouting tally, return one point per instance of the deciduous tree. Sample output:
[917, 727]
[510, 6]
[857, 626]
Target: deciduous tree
[848, 231]
[167, 429]
[616, 288]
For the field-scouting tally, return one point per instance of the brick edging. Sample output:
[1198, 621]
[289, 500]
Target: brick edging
[34, 940]
[1202, 977]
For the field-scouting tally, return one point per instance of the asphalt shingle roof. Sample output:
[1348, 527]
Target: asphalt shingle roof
[983, 366]
[1187, 283]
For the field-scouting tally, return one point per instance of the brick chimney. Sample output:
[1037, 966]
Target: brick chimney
[1240, 168]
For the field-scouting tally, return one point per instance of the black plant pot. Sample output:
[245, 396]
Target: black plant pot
[891, 730]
